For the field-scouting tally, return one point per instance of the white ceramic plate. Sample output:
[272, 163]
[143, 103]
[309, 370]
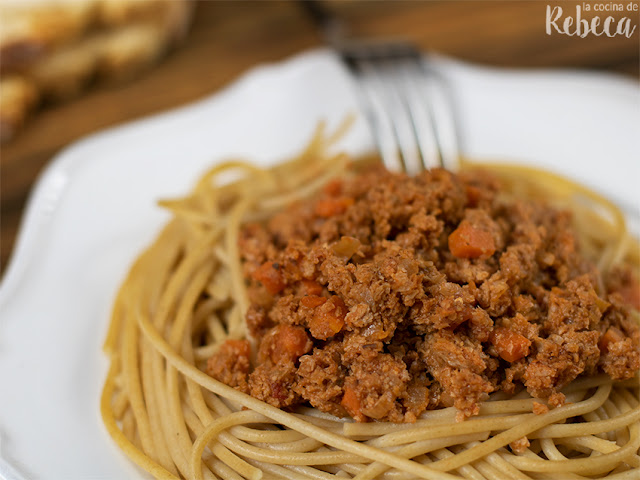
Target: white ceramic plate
[94, 209]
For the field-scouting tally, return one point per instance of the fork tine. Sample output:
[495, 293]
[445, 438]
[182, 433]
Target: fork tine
[422, 121]
[407, 105]
[389, 89]
[409, 125]
[375, 111]
[440, 102]
[389, 113]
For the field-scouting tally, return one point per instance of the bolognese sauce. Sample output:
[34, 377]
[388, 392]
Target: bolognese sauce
[388, 295]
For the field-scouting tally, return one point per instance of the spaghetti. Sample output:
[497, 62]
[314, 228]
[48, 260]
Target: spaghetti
[175, 421]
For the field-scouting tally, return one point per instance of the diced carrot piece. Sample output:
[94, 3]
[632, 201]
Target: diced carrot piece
[351, 403]
[312, 301]
[269, 275]
[328, 318]
[612, 335]
[331, 206]
[333, 187]
[311, 287]
[467, 241]
[511, 346]
[285, 343]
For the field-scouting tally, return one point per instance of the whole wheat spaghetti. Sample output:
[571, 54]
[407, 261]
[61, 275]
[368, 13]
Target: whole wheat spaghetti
[186, 295]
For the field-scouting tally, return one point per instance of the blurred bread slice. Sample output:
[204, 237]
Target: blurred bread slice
[59, 46]
[140, 32]
[29, 29]
[121, 12]
[18, 96]
[127, 50]
[172, 16]
[65, 72]
[112, 55]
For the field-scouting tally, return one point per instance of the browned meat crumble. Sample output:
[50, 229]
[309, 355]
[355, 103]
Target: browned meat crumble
[388, 295]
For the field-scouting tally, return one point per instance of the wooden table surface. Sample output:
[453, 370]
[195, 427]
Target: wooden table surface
[227, 38]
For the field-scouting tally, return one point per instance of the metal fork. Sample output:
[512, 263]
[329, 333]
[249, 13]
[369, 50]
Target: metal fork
[406, 102]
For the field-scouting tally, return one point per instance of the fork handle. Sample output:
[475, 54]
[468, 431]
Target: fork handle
[331, 27]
